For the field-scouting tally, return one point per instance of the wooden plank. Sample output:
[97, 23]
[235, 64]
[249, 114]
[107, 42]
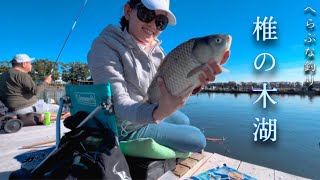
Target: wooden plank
[256, 171]
[17, 143]
[197, 156]
[283, 176]
[217, 160]
[28, 133]
[9, 145]
[189, 162]
[206, 156]
[180, 170]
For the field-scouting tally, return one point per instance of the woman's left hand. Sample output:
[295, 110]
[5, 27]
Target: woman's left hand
[209, 74]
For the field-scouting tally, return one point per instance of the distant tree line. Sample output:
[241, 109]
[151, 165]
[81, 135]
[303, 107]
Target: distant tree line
[69, 72]
[247, 86]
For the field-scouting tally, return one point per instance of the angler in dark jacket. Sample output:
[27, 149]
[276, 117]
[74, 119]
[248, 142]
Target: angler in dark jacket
[19, 92]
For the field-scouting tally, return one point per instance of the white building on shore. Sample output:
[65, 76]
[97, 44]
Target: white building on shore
[59, 81]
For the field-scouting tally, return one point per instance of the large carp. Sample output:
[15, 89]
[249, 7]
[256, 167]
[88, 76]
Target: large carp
[181, 67]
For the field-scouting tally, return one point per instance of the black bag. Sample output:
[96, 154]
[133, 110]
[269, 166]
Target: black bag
[73, 121]
[3, 109]
[150, 169]
[84, 153]
[30, 119]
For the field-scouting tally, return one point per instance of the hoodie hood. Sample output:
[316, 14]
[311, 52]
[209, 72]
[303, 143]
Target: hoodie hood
[114, 35]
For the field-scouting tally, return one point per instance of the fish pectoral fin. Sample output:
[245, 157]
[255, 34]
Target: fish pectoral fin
[225, 70]
[194, 71]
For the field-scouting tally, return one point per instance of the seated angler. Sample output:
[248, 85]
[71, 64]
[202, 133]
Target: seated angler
[18, 90]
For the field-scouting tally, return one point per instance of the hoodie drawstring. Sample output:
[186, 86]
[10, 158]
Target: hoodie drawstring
[123, 126]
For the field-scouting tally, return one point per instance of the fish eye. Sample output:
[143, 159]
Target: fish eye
[218, 40]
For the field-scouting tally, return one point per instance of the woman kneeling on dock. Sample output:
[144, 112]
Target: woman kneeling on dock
[128, 57]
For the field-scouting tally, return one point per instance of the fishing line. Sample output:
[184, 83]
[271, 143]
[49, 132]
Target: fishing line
[65, 42]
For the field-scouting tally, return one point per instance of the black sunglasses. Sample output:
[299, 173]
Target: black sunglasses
[146, 15]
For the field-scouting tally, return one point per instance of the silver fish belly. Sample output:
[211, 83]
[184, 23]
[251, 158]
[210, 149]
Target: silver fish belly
[181, 67]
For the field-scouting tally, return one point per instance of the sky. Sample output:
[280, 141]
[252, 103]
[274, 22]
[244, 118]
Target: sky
[39, 28]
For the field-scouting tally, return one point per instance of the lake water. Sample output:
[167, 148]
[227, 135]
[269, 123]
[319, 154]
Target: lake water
[296, 150]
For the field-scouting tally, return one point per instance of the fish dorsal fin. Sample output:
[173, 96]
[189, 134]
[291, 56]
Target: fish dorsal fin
[195, 71]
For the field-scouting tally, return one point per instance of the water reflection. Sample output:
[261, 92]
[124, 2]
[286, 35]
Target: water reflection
[235, 95]
[232, 116]
[250, 95]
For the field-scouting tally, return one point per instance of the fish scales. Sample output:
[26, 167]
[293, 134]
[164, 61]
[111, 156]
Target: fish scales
[168, 70]
[181, 67]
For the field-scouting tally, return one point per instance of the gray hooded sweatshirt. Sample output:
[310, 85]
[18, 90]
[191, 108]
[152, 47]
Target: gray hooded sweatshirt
[115, 57]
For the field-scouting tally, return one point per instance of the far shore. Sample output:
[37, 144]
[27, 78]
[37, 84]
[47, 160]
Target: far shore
[259, 92]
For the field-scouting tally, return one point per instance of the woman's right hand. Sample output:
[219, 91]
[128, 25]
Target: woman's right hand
[168, 103]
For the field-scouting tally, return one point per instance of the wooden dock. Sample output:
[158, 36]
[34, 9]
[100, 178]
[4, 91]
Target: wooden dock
[11, 146]
[199, 163]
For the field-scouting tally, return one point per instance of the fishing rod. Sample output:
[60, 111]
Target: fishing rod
[65, 42]
[58, 133]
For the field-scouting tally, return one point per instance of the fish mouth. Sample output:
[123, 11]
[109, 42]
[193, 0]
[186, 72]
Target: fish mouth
[229, 40]
[225, 57]
[227, 52]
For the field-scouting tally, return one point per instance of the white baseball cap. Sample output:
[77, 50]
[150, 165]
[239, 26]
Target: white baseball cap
[160, 5]
[20, 58]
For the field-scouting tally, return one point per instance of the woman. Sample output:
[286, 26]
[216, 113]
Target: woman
[128, 57]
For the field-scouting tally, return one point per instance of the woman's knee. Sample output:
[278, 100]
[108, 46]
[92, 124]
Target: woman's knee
[196, 140]
[178, 118]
